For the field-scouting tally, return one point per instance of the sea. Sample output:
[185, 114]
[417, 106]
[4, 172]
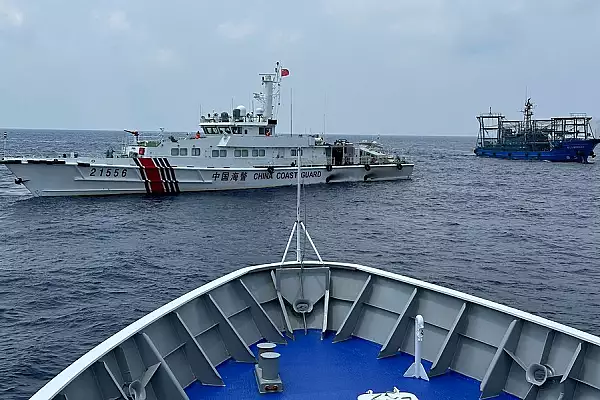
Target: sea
[73, 271]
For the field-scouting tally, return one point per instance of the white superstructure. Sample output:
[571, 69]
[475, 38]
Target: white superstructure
[240, 150]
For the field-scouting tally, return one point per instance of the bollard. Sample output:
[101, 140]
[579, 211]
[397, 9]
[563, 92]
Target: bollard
[265, 347]
[269, 365]
[267, 371]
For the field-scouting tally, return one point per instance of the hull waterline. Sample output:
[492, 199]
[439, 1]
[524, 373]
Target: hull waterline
[575, 151]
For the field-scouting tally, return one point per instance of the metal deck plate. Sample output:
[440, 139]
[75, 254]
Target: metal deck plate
[314, 369]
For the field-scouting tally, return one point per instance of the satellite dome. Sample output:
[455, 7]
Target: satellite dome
[242, 110]
[260, 111]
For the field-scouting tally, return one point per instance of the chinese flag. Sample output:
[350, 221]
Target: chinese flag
[285, 72]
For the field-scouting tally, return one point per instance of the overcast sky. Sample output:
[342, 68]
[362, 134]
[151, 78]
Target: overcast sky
[385, 66]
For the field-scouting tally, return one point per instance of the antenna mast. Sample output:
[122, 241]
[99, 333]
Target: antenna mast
[291, 113]
[298, 220]
[5, 137]
[324, 113]
[299, 225]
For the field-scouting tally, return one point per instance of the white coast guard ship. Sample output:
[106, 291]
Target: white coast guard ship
[237, 151]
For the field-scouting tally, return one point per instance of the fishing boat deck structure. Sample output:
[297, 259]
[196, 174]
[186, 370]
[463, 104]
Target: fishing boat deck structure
[563, 139]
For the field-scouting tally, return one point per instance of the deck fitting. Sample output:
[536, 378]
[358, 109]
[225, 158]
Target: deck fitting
[267, 371]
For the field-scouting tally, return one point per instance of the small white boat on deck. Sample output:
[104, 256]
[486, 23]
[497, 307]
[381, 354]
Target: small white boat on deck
[241, 150]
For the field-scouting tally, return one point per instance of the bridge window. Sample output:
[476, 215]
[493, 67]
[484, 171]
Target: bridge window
[215, 153]
[183, 151]
[175, 151]
[261, 130]
[245, 153]
[222, 153]
[237, 153]
[254, 152]
[261, 152]
[196, 151]
[294, 152]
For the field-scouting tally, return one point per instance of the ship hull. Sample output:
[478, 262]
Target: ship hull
[569, 151]
[156, 176]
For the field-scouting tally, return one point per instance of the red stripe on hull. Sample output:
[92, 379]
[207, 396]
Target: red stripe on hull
[153, 175]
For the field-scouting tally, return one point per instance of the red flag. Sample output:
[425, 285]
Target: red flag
[285, 72]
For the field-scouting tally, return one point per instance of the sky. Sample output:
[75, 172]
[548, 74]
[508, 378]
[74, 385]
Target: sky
[420, 67]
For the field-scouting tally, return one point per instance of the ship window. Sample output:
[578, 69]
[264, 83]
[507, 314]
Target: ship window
[261, 130]
[221, 130]
[175, 151]
[261, 152]
[237, 153]
[215, 153]
[183, 152]
[227, 130]
[245, 131]
[222, 153]
[293, 152]
[196, 151]
[245, 153]
[235, 130]
[254, 153]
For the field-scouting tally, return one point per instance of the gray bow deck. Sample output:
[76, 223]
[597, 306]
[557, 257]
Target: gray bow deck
[191, 347]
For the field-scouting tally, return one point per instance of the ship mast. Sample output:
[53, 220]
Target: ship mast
[528, 113]
[272, 84]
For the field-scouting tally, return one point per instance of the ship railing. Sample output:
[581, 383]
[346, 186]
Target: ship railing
[49, 155]
[381, 159]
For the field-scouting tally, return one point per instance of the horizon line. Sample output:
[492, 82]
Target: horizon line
[280, 133]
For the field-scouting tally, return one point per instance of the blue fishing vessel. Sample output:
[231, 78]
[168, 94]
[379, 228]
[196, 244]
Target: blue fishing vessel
[560, 139]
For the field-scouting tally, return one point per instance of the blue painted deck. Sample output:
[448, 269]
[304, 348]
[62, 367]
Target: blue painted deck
[315, 369]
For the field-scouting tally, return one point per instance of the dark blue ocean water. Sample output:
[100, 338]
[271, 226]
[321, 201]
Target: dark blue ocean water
[75, 270]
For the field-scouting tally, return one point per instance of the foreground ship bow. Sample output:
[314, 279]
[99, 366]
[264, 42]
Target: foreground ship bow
[354, 335]
[241, 150]
[329, 330]
[560, 139]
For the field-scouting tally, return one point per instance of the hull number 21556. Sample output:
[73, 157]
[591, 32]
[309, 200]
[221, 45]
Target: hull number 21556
[108, 172]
